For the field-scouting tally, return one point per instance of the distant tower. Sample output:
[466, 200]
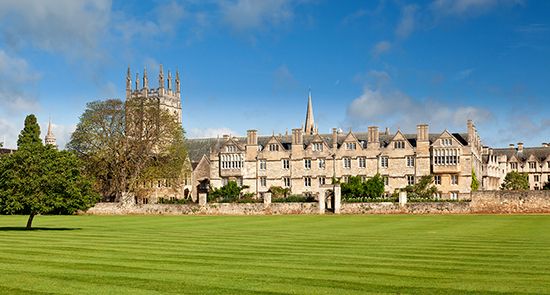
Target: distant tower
[50, 138]
[309, 127]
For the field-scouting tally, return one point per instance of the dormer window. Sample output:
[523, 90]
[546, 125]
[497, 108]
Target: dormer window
[532, 165]
[351, 145]
[317, 146]
[514, 166]
[446, 141]
[273, 147]
[231, 148]
[399, 144]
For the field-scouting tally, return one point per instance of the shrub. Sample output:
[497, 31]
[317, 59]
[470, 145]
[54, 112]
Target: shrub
[515, 181]
[230, 193]
[295, 199]
[356, 189]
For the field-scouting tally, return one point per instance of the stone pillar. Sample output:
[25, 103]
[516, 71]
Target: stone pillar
[337, 199]
[202, 199]
[402, 198]
[322, 202]
[267, 199]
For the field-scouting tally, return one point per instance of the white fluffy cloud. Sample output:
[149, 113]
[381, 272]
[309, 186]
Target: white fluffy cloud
[468, 7]
[407, 22]
[209, 132]
[244, 15]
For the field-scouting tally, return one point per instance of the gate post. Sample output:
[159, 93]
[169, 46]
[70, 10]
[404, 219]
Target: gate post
[202, 199]
[267, 199]
[337, 198]
[322, 196]
[402, 198]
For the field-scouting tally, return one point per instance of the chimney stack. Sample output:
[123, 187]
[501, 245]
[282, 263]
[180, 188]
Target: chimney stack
[297, 136]
[334, 138]
[252, 137]
[520, 147]
[373, 137]
[512, 146]
[422, 132]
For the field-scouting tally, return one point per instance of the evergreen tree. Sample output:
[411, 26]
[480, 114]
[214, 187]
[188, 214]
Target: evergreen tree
[475, 183]
[30, 135]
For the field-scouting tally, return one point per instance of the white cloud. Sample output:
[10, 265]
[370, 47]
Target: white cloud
[408, 21]
[395, 108]
[209, 132]
[68, 26]
[468, 7]
[464, 74]
[381, 47]
[244, 15]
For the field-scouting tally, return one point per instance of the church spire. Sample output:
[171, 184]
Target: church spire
[50, 138]
[309, 127]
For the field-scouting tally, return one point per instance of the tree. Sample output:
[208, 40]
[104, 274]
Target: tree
[515, 181]
[546, 186]
[30, 135]
[39, 179]
[474, 186]
[374, 187]
[125, 145]
[423, 189]
[356, 188]
[279, 192]
[228, 193]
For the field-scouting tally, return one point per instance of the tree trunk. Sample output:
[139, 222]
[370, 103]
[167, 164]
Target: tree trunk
[29, 222]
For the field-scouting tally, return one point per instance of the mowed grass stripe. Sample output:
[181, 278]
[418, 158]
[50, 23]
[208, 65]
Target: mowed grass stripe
[280, 254]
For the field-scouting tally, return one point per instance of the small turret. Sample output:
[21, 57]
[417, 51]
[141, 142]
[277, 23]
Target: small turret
[137, 81]
[169, 81]
[50, 138]
[145, 80]
[128, 82]
[161, 78]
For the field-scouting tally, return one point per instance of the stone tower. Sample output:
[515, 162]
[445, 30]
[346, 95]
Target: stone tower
[309, 126]
[166, 96]
[50, 138]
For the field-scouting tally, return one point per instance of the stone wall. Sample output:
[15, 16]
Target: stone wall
[209, 209]
[511, 202]
[409, 208]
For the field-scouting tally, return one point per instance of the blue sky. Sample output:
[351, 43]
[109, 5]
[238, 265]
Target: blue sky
[249, 64]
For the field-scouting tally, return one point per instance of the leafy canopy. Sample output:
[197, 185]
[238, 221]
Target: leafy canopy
[423, 189]
[515, 181]
[356, 188]
[30, 135]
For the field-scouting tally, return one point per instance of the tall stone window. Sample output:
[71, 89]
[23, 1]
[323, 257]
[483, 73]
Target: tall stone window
[322, 163]
[410, 161]
[410, 179]
[532, 165]
[307, 163]
[263, 164]
[454, 179]
[386, 179]
[322, 180]
[263, 181]
[446, 141]
[273, 147]
[307, 181]
[437, 179]
[318, 146]
[286, 181]
[400, 144]
[384, 162]
[346, 161]
[514, 166]
[453, 195]
[536, 178]
[286, 164]
[351, 146]
[362, 162]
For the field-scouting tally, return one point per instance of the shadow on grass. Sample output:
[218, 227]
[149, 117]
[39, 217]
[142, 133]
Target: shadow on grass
[22, 228]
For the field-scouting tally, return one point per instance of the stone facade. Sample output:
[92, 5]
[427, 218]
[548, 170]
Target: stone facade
[511, 201]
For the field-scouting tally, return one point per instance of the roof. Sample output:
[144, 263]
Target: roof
[201, 146]
[5, 151]
[540, 153]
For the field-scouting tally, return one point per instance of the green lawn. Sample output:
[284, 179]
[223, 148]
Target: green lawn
[472, 254]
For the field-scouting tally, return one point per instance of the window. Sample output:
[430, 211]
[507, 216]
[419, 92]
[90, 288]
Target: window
[536, 178]
[263, 181]
[321, 163]
[362, 162]
[410, 161]
[345, 178]
[231, 161]
[307, 163]
[446, 141]
[322, 180]
[263, 164]
[410, 179]
[514, 166]
[386, 179]
[307, 181]
[446, 157]
[453, 195]
[454, 179]
[273, 147]
[437, 179]
[437, 195]
[346, 162]
[351, 145]
[286, 181]
[286, 163]
[532, 165]
[317, 146]
[384, 162]
[231, 148]
[399, 144]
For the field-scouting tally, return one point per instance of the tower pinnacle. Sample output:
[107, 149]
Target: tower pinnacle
[50, 138]
[309, 127]
[161, 77]
[145, 80]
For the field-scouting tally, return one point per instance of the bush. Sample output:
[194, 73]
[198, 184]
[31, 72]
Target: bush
[231, 193]
[295, 199]
[357, 190]
[174, 201]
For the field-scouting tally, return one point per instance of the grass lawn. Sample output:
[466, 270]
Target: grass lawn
[489, 254]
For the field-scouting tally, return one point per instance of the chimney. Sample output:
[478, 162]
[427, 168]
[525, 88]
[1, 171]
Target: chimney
[520, 147]
[225, 137]
[251, 137]
[512, 146]
[373, 137]
[334, 138]
[544, 144]
[422, 132]
[387, 132]
[471, 131]
[297, 136]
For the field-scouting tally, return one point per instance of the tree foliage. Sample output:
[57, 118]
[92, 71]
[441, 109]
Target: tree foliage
[38, 179]
[125, 145]
[422, 189]
[546, 186]
[356, 188]
[515, 181]
[279, 192]
[30, 135]
[229, 193]
[474, 186]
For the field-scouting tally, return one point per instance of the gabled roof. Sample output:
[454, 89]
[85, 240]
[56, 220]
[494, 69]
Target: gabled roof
[539, 153]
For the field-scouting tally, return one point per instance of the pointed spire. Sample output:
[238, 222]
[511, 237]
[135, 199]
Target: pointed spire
[161, 77]
[50, 138]
[137, 81]
[310, 122]
[169, 81]
[177, 82]
[128, 80]
[145, 80]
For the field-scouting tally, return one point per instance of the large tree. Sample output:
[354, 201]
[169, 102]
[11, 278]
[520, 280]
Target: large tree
[38, 179]
[515, 181]
[125, 145]
[423, 189]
